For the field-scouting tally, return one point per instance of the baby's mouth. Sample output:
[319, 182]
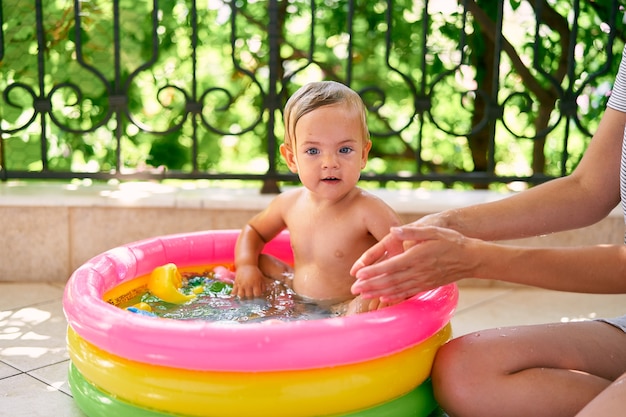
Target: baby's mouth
[330, 179]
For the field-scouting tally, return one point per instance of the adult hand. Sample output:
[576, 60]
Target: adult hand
[413, 259]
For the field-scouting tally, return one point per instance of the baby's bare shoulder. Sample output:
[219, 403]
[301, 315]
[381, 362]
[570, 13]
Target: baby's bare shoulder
[288, 197]
[370, 202]
[377, 216]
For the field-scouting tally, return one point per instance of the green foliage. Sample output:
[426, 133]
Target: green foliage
[158, 95]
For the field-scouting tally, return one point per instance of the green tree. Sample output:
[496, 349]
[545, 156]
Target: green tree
[124, 87]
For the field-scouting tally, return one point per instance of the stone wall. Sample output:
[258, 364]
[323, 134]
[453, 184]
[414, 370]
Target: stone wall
[49, 229]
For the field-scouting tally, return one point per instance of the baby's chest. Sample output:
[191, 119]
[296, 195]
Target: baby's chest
[323, 243]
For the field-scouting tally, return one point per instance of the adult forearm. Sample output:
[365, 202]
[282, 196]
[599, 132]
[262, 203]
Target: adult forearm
[435, 256]
[597, 269]
[558, 205]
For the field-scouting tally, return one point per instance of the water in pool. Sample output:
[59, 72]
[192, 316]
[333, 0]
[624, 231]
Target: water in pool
[213, 302]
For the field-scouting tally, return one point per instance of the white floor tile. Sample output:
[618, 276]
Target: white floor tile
[54, 375]
[24, 396]
[7, 371]
[470, 297]
[532, 306]
[33, 337]
[15, 295]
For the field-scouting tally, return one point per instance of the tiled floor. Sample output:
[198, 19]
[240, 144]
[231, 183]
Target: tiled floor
[33, 359]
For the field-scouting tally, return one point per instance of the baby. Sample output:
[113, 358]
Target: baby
[331, 221]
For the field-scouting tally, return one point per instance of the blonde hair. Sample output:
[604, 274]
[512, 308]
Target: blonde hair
[318, 94]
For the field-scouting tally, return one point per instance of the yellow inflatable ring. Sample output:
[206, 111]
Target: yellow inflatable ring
[303, 393]
[96, 403]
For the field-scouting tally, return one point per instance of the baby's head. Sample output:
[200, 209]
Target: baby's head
[318, 94]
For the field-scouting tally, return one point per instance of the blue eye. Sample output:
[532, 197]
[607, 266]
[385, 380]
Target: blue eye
[345, 149]
[312, 151]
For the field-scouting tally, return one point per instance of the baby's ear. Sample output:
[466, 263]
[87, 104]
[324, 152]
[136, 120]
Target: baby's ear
[289, 157]
[365, 153]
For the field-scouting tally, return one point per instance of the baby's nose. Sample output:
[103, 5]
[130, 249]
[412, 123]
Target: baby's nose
[330, 161]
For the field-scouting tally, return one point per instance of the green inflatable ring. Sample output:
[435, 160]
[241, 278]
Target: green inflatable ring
[96, 403]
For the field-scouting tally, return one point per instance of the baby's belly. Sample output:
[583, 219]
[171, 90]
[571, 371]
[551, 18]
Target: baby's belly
[320, 285]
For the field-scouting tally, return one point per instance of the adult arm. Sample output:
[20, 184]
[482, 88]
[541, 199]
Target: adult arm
[442, 256]
[408, 261]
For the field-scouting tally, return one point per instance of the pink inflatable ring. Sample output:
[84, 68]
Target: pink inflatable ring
[204, 354]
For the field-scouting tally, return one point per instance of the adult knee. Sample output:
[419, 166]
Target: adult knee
[456, 375]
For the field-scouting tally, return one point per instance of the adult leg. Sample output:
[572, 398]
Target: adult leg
[610, 402]
[543, 370]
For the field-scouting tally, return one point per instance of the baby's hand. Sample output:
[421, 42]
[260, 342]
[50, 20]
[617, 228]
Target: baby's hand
[249, 282]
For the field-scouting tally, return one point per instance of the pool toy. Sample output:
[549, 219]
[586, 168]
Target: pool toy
[165, 282]
[129, 364]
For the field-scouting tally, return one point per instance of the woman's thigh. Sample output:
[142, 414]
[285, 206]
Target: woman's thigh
[551, 370]
[591, 346]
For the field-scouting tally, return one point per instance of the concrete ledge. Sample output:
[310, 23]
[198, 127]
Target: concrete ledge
[50, 229]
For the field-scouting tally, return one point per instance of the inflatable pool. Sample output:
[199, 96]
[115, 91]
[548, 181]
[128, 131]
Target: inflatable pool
[125, 364]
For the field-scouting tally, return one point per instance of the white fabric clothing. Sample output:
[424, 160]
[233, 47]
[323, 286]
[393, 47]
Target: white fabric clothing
[617, 101]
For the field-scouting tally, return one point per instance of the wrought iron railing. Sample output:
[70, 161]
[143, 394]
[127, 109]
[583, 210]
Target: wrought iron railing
[474, 91]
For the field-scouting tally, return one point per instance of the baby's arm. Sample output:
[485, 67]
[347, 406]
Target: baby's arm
[382, 218]
[249, 280]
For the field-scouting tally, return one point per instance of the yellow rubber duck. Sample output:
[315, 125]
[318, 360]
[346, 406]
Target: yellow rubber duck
[165, 282]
